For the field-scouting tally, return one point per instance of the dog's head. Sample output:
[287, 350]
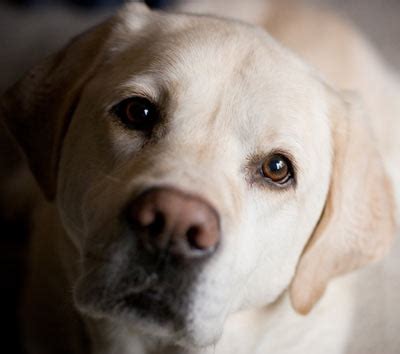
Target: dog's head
[199, 168]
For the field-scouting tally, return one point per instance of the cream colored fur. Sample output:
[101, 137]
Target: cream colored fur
[283, 280]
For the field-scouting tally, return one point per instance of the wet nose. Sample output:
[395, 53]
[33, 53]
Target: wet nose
[169, 220]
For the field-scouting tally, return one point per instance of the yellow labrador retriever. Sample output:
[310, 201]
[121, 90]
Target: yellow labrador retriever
[204, 185]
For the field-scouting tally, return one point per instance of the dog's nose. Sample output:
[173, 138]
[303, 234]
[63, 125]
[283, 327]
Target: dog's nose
[168, 220]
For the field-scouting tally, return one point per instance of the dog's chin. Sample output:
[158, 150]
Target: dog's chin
[194, 332]
[145, 315]
[152, 314]
[152, 310]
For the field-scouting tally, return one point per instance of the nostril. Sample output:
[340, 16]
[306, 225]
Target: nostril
[192, 236]
[156, 227]
[167, 220]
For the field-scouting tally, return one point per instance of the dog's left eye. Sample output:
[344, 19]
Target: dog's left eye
[277, 169]
[137, 113]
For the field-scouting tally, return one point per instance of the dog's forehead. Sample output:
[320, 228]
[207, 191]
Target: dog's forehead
[216, 69]
[186, 46]
[200, 56]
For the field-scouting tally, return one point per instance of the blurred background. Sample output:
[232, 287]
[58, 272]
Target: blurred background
[30, 30]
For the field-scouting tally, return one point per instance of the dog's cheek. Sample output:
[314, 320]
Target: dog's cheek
[75, 179]
[263, 251]
[87, 165]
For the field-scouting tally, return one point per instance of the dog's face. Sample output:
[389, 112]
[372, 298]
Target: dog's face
[225, 103]
[195, 167]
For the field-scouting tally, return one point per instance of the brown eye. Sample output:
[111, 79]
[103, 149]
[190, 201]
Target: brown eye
[137, 113]
[277, 168]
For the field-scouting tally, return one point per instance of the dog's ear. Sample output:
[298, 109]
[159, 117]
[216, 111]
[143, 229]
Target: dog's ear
[357, 223]
[37, 109]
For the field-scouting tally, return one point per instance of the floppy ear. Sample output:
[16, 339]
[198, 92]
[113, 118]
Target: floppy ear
[37, 109]
[357, 224]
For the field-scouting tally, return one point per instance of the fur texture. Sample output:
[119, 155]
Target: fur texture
[230, 95]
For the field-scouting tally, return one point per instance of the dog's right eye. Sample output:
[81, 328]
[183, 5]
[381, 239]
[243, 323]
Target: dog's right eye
[137, 113]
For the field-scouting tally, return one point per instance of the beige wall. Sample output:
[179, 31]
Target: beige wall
[379, 19]
[27, 36]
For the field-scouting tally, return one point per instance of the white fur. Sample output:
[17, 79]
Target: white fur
[234, 96]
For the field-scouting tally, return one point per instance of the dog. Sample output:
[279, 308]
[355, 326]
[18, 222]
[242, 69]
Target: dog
[203, 185]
